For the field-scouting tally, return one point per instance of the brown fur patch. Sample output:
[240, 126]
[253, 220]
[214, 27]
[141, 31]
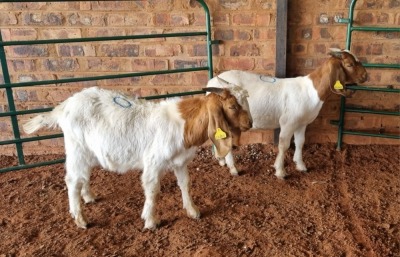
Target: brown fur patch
[194, 112]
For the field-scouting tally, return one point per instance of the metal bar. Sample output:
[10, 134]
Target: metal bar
[375, 29]
[381, 65]
[115, 76]
[11, 104]
[378, 89]
[209, 42]
[370, 111]
[93, 39]
[33, 165]
[350, 24]
[30, 139]
[359, 133]
[23, 112]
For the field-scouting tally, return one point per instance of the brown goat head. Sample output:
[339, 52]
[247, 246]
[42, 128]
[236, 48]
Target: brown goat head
[227, 119]
[354, 71]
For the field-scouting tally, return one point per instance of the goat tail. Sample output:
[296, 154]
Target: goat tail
[49, 120]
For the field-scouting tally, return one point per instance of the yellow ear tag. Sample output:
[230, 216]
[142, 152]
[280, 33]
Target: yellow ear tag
[220, 134]
[338, 85]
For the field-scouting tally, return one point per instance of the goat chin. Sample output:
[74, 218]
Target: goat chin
[291, 103]
[121, 133]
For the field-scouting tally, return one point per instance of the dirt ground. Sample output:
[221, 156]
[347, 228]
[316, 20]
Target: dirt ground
[348, 204]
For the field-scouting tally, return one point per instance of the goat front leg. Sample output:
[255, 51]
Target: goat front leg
[299, 138]
[151, 186]
[230, 162]
[183, 179]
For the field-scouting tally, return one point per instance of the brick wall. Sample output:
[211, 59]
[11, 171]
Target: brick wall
[245, 27]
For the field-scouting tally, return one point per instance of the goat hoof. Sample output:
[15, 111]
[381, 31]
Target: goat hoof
[80, 222]
[193, 212]
[301, 167]
[151, 224]
[281, 176]
[221, 162]
[89, 200]
[234, 172]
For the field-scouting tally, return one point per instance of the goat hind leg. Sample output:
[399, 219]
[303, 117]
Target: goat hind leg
[151, 186]
[284, 143]
[86, 192]
[299, 138]
[74, 184]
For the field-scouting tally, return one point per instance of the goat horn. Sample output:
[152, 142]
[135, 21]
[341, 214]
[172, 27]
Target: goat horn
[222, 80]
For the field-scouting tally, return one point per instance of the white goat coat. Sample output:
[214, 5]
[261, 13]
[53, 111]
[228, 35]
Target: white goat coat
[134, 128]
[274, 101]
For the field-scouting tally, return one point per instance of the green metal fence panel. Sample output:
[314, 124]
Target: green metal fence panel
[343, 108]
[8, 86]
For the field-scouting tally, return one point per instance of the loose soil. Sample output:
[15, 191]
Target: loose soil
[348, 204]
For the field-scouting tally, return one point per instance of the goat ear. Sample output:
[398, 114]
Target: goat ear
[218, 130]
[335, 52]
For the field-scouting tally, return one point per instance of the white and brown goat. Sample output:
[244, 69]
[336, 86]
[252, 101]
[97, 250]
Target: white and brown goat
[292, 103]
[121, 133]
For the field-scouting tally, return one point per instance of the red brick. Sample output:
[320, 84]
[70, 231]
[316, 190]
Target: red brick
[243, 19]
[60, 33]
[149, 64]
[245, 50]
[237, 63]
[23, 34]
[233, 5]
[118, 50]
[162, 50]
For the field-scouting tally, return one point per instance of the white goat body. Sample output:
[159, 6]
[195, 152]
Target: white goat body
[291, 103]
[121, 133]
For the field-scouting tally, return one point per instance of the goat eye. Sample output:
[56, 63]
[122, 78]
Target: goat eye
[350, 65]
[234, 107]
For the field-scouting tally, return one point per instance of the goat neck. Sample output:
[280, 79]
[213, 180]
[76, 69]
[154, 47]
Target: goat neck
[194, 112]
[325, 77]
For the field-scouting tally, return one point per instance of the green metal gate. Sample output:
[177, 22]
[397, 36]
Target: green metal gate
[343, 108]
[13, 113]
